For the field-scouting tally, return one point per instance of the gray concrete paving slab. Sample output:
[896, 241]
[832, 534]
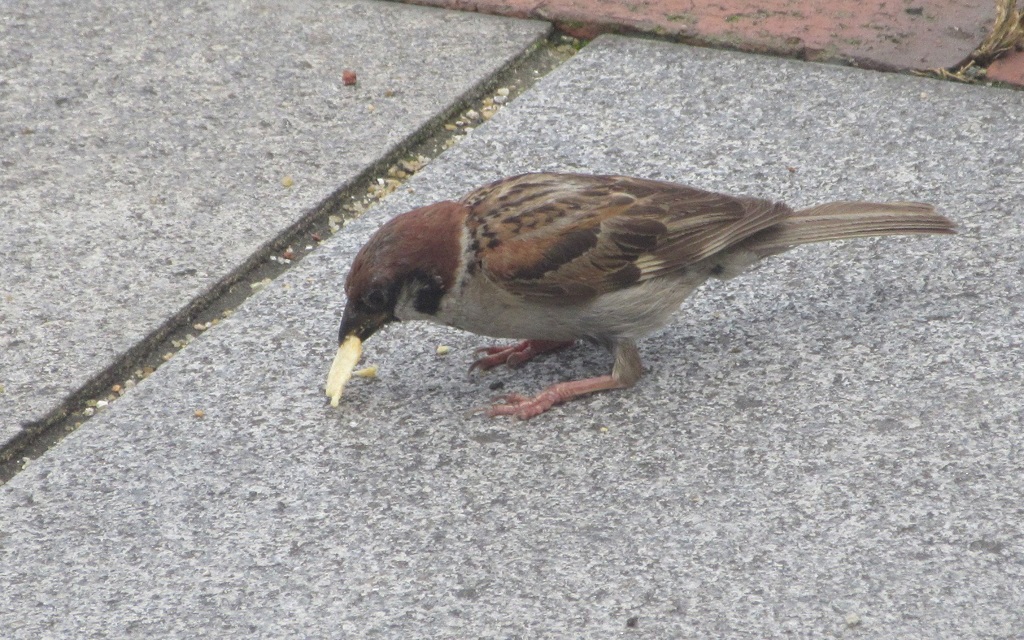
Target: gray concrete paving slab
[827, 447]
[143, 148]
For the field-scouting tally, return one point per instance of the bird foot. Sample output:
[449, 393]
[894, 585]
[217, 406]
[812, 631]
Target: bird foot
[524, 407]
[515, 355]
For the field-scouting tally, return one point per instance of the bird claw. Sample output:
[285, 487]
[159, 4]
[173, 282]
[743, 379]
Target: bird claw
[495, 356]
[515, 355]
[525, 407]
[492, 349]
[522, 407]
[510, 398]
[513, 404]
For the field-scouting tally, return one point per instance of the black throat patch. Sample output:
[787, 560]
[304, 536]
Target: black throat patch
[429, 292]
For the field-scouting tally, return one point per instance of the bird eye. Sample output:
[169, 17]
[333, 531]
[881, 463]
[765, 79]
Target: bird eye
[375, 299]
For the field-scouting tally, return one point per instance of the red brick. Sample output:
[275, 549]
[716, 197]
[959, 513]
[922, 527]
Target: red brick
[887, 34]
[1008, 69]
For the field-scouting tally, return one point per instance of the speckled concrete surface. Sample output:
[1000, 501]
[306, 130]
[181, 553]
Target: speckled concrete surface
[828, 447]
[143, 147]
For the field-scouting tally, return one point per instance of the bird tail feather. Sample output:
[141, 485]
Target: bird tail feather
[845, 220]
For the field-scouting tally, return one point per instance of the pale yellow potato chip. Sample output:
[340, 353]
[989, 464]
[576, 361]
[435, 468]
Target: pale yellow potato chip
[368, 372]
[341, 369]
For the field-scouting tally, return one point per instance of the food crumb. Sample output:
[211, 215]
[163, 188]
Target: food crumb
[348, 77]
[199, 413]
[366, 372]
[443, 350]
[287, 182]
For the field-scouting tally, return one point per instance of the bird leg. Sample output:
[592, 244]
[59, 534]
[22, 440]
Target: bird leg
[525, 408]
[624, 374]
[516, 354]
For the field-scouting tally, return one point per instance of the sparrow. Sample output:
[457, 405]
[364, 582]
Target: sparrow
[551, 258]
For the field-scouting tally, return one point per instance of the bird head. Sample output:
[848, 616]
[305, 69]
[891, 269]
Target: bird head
[404, 270]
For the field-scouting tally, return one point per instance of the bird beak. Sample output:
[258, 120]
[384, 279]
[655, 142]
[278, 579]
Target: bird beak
[361, 323]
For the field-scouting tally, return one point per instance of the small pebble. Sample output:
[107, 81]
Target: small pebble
[88, 411]
[503, 92]
[500, 99]
[852, 619]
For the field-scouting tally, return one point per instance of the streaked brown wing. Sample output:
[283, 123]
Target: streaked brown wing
[572, 236]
